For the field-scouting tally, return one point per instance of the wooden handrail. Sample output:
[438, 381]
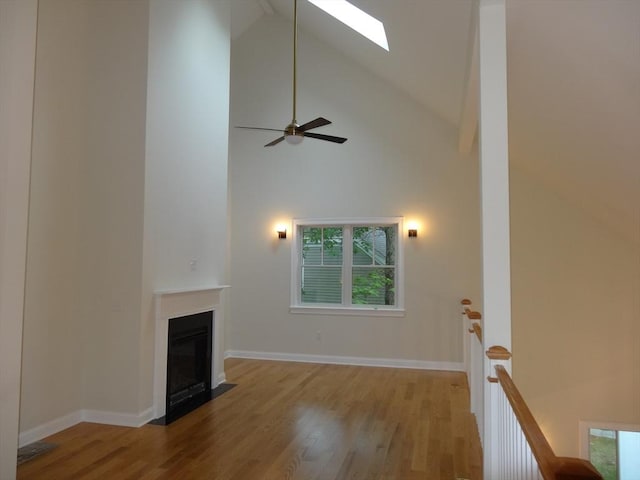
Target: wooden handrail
[477, 329]
[472, 315]
[497, 352]
[568, 468]
[551, 467]
[536, 439]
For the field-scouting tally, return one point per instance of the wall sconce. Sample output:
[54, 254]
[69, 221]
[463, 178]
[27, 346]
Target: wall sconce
[412, 229]
[282, 231]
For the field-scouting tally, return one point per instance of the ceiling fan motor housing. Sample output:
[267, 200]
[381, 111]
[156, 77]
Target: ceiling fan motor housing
[293, 134]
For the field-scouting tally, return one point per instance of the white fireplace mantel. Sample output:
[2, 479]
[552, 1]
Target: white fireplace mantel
[178, 303]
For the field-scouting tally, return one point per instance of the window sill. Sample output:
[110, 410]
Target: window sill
[352, 311]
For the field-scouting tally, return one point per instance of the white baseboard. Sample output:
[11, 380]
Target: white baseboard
[221, 379]
[139, 419]
[120, 419]
[49, 428]
[339, 360]
[94, 416]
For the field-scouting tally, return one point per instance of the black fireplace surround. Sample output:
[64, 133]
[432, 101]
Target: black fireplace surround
[188, 364]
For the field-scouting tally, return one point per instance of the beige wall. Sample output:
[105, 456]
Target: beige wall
[112, 207]
[129, 186]
[18, 21]
[85, 231]
[576, 315]
[50, 366]
[400, 159]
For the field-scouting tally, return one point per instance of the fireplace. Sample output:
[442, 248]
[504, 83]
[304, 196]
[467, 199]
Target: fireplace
[188, 364]
[175, 307]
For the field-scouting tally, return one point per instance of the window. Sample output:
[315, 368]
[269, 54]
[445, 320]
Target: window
[613, 449]
[347, 266]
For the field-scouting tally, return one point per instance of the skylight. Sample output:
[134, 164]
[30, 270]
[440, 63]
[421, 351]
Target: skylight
[352, 16]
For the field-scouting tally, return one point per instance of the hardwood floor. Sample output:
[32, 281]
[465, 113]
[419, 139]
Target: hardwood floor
[289, 421]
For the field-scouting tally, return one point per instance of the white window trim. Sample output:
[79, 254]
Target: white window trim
[359, 310]
[586, 425]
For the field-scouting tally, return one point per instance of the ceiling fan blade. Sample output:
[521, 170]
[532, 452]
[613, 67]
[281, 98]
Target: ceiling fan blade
[259, 128]
[318, 122]
[275, 142]
[329, 138]
[293, 130]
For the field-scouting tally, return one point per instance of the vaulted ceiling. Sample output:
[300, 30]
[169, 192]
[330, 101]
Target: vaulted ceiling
[573, 81]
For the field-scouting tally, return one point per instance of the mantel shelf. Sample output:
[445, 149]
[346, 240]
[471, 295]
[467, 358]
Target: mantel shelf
[175, 291]
[176, 303]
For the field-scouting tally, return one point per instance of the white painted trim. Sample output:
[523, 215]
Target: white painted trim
[49, 428]
[585, 425]
[494, 188]
[340, 360]
[349, 221]
[348, 311]
[178, 303]
[177, 291]
[137, 420]
[94, 416]
[120, 419]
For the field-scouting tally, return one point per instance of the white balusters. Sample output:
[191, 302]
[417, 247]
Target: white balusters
[473, 360]
[515, 458]
[514, 446]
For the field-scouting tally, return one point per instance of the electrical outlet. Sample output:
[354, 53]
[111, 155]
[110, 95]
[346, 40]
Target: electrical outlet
[193, 265]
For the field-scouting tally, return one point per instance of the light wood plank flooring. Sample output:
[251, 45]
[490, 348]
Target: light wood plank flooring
[289, 421]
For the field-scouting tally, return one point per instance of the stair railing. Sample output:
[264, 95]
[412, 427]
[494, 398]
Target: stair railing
[521, 451]
[514, 446]
[473, 359]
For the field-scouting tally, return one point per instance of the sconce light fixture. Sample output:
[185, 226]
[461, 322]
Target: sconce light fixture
[282, 231]
[412, 229]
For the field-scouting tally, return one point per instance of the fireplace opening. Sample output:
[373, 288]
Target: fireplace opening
[188, 364]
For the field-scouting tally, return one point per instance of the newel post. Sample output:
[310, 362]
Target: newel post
[494, 183]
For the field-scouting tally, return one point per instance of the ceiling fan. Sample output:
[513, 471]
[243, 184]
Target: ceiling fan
[294, 133]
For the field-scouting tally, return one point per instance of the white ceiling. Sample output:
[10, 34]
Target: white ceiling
[573, 79]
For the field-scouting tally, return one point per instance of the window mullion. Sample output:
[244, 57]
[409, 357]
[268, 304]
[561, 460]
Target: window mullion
[347, 262]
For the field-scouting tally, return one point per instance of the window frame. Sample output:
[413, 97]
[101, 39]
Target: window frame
[346, 308]
[585, 431]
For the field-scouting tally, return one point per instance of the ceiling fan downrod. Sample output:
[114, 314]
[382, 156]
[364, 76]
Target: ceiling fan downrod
[294, 133]
[295, 59]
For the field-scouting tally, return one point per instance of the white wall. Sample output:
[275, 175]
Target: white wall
[18, 21]
[399, 160]
[185, 236]
[576, 315]
[50, 366]
[82, 306]
[127, 190]
[112, 207]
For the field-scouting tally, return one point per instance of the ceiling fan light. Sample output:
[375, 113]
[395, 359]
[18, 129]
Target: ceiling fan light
[293, 139]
